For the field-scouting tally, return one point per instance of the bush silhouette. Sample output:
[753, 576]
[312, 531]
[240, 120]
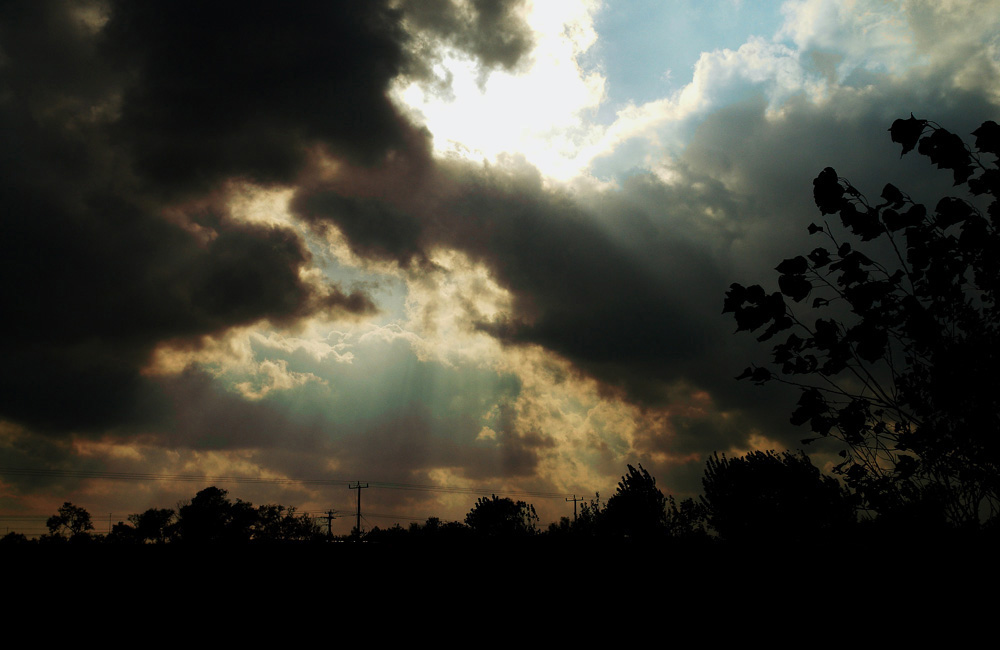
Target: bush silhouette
[765, 497]
[502, 517]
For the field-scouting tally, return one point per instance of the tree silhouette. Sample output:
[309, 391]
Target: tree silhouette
[70, 521]
[504, 518]
[638, 509]
[764, 497]
[276, 523]
[14, 539]
[590, 520]
[153, 525]
[687, 520]
[901, 362]
[212, 518]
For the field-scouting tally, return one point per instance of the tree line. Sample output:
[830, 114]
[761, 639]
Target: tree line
[760, 499]
[211, 517]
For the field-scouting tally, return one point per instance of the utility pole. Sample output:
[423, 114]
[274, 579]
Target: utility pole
[574, 500]
[358, 487]
[330, 516]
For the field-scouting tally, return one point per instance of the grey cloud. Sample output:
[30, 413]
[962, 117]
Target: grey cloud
[213, 90]
[200, 414]
[490, 31]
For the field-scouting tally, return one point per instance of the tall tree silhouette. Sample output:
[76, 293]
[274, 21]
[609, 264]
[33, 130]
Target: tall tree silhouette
[637, 509]
[900, 357]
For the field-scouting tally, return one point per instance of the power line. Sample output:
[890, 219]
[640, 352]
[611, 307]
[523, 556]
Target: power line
[376, 515]
[137, 476]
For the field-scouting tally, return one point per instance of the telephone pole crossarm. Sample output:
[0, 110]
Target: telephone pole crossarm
[574, 500]
[358, 486]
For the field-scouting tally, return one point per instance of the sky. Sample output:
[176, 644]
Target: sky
[445, 248]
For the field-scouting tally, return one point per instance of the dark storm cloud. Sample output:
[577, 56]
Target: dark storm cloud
[578, 291]
[374, 229]
[90, 290]
[489, 30]
[217, 89]
[120, 122]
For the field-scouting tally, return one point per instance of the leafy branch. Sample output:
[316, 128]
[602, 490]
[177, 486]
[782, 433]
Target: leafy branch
[899, 360]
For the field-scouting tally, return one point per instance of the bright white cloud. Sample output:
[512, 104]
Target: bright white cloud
[821, 44]
[538, 110]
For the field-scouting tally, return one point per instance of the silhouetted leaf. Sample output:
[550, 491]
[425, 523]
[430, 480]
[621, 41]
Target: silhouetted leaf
[735, 298]
[826, 334]
[795, 287]
[892, 194]
[951, 211]
[988, 137]
[820, 257]
[975, 234]
[862, 223]
[750, 318]
[795, 265]
[893, 220]
[947, 151]
[916, 214]
[755, 294]
[987, 183]
[907, 132]
[906, 466]
[851, 421]
[811, 404]
[779, 324]
[827, 192]
[871, 341]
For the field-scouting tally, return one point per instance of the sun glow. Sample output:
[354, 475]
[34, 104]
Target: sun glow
[536, 110]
